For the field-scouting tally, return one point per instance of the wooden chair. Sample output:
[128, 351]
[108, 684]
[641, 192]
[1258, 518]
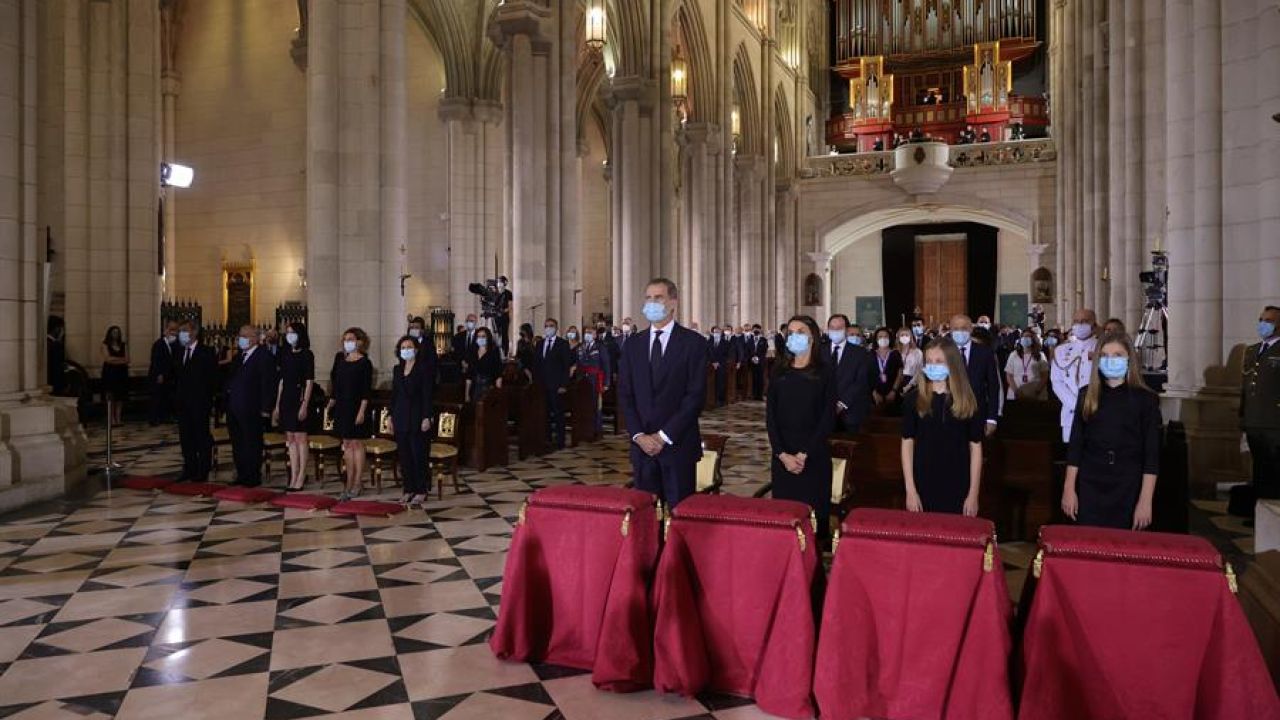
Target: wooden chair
[324, 449]
[221, 438]
[272, 445]
[842, 459]
[445, 448]
[709, 477]
[382, 450]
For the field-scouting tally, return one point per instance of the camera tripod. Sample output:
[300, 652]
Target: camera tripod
[1152, 343]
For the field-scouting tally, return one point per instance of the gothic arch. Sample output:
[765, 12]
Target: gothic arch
[847, 227]
[752, 139]
[702, 96]
[784, 135]
[473, 65]
[628, 30]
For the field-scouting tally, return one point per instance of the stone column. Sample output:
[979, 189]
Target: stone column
[697, 237]
[1207, 321]
[518, 26]
[752, 282]
[1184, 372]
[170, 85]
[786, 299]
[322, 176]
[41, 445]
[568, 235]
[632, 176]
[394, 219]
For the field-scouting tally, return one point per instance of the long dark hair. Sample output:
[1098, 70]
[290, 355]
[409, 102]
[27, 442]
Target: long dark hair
[106, 339]
[304, 340]
[816, 359]
[417, 346]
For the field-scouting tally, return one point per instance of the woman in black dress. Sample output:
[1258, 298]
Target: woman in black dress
[412, 389]
[293, 398]
[484, 365]
[525, 354]
[800, 413]
[942, 435]
[1113, 456]
[115, 371]
[352, 388]
[886, 364]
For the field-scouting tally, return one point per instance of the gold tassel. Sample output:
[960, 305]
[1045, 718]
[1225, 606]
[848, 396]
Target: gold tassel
[520, 514]
[800, 535]
[835, 542]
[626, 523]
[813, 520]
[1232, 585]
[989, 557]
[1037, 565]
[666, 527]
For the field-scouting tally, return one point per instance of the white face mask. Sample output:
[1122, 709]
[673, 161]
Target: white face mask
[904, 339]
[882, 342]
[348, 346]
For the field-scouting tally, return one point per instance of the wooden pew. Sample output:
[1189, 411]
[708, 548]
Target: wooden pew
[877, 472]
[613, 413]
[485, 430]
[580, 407]
[1018, 486]
[709, 397]
[531, 430]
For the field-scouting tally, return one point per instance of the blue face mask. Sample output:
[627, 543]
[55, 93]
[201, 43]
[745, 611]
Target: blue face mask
[1266, 329]
[470, 325]
[184, 337]
[481, 342]
[797, 343]
[1025, 342]
[961, 337]
[1050, 341]
[348, 346]
[291, 338]
[855, 339]
[407, 354]
[917, 330]
[837, 336]
[654, 311]
[1113, 368]
[937, 372]
[243, 343]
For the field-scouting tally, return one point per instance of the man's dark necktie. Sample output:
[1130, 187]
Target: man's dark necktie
[655, 355]
[835, 354]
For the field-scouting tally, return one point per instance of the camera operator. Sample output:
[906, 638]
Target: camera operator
[502, 314]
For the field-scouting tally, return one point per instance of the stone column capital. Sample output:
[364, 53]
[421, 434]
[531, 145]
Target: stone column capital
[630, 89]
[750, 167]
[521, 17]
[821, 261]
[696, 133]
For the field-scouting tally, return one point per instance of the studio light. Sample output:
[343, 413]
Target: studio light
[174, 175]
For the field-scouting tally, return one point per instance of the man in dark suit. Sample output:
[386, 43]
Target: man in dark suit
[759, 354]
[464, 341]
[661, 389]
[984, 376]
[250, 398]
[720, 352]
[552, 362]
[196, 371]
[852, 365]
[160, 374]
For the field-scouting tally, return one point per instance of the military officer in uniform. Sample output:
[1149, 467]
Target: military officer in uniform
[1260, 411]
[594, 362]
[1072, 365]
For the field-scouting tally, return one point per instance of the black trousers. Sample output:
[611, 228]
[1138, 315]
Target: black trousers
[502, 326]
[1264, 446]
[669, 476]
[722, 384]
[555, 416]
[245, 430]
[411, 447]
[196, 442]
[757, 380]
[161, 403]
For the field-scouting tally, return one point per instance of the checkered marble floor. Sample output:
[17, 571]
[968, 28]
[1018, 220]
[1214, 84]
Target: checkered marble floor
[144, 605]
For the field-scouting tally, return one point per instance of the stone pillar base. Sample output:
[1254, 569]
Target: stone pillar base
[42, 450]
[1213, 437]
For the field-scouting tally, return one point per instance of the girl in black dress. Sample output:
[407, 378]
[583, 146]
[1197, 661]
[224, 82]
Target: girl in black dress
[1113, 456]
[115, 371]
[484, 365]
[886, 366]
[800, 413]
[525, 354]
[942, 435]
[412, 389]
[352, 388]
[293, 398]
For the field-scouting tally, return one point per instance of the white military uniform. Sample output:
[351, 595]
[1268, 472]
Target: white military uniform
[1072, 368]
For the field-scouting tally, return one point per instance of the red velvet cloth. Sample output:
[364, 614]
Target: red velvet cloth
[575, 586]
[145, 482]
[735, 604]
[195, 489]
[366, 507]
[247, 495]
[1138, 625]
[914, 624]
[304, 501]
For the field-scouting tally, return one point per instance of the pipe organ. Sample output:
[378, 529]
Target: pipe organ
[940, 67]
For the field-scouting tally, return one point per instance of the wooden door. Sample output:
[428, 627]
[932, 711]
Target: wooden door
[941, 279]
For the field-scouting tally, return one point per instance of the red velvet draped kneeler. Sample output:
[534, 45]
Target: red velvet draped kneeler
[575, 586]
[735, 604]
[915, 625]
[1137, 625]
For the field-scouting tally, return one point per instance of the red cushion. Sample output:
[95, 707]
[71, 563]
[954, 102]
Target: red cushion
[1144, 548]
[366, 507]
[616, 499]
[929, 528]
[194, 488]
[145, 482]
[741, 510]
[245, 494]
[303, 501]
